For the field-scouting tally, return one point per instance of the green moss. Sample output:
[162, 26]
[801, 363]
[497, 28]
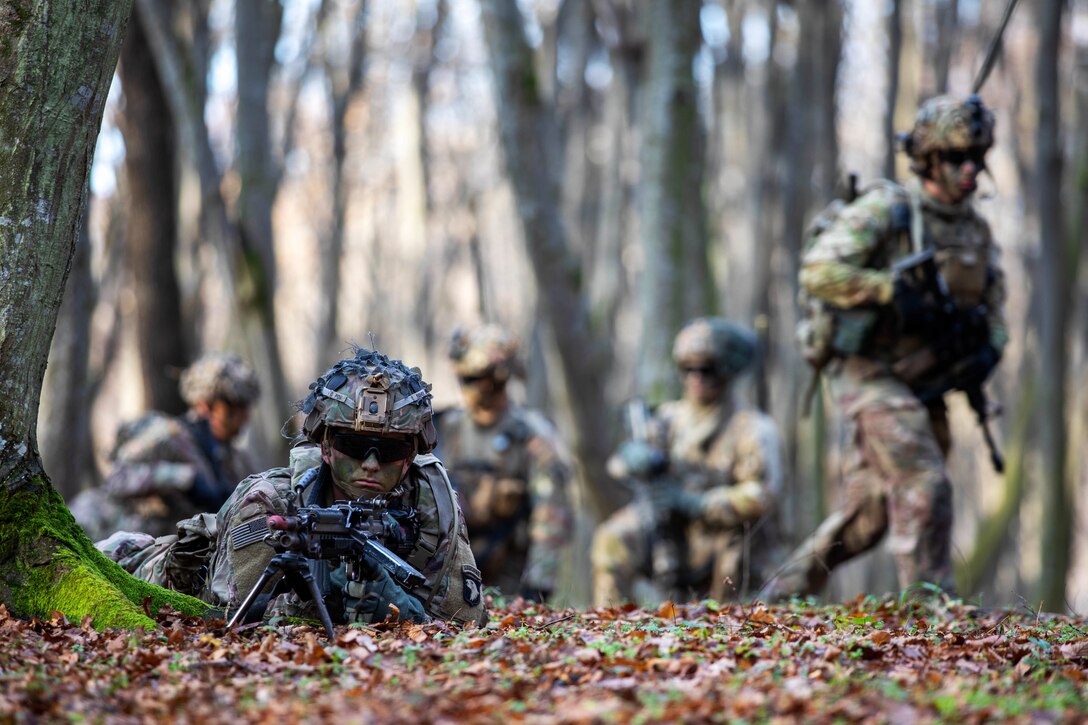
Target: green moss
[51, 565]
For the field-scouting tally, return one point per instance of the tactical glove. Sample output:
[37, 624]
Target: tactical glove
[672, 498]
[369, 601]
[980, 365]
[913, 312]
[641, 460]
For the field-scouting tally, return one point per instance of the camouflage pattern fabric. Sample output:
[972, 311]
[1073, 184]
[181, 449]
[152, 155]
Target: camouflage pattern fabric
[239, 555]
[512, 479]
[156, 462]
[894, 471]
[894, 482]
[219, 376]
[734, 460]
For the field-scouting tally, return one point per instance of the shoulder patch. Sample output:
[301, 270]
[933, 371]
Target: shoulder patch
[471, 587]
[248, 532]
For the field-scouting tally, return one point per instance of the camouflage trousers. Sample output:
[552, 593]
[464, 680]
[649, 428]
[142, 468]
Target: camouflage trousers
[894, 482]
[178, 561]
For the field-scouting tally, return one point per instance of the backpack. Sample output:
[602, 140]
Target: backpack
[825, 332]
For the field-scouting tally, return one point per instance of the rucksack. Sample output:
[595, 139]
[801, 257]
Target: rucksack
[823, 331]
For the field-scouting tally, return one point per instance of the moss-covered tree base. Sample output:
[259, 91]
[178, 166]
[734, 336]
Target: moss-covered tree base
[49, 564]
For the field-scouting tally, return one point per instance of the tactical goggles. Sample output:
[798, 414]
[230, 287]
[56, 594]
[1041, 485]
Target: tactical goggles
[360, 447]
[958, 157]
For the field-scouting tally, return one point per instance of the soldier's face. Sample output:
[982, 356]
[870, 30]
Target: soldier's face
[956, 173]
[363, 465]
[225, 420]
[483, 392]
[702, 383]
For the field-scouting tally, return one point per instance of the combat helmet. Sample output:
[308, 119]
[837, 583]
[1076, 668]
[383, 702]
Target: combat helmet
[729, 347]
[219, 376]
[373, 394]
[946, 122]
[490, 351]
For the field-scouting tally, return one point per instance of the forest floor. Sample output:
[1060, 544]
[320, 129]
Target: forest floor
[865, 661]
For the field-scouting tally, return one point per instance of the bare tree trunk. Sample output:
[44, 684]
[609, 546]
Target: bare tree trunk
[185, 95]
[56, 63]
[65, 421]
[529, 137]
[1055, 282]
[947, 33]
[895, 50]
[151, 233]
[345, 84]
[674, 282]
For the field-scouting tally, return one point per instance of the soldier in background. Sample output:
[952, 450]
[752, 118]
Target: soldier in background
[908, 348]
[368, 433]
[712, 472]
[167, 468]
[511, 471]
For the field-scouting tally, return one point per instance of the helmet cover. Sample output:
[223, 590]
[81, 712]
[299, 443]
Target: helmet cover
[370, 393]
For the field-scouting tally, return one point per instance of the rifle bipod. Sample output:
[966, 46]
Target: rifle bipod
[289, 571]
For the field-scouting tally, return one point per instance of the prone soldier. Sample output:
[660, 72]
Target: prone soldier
[369, 434]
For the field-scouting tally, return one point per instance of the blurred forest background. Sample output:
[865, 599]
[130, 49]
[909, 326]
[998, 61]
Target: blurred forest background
[283, 178]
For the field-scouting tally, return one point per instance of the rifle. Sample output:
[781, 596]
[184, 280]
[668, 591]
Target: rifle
[668, 550]
[964, 333]
[352, 532]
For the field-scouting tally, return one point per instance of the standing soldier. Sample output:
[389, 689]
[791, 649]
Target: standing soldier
[712, 477]
[511, 471]
[368, 435]
[166, 468]
[914, 332]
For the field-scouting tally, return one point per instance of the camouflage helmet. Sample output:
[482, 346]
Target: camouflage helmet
[490, 350]
[219, 376]
[371, 393]
[946, 122]
[729, 347]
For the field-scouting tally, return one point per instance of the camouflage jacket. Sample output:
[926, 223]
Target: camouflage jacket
[157, 459]
[442, 553]
[512, 479]
[733, 458]
[849, 264]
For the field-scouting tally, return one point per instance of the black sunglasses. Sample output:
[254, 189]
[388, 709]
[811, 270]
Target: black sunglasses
[360, 447]
[473, 379]
[705, 371]
[957, 157]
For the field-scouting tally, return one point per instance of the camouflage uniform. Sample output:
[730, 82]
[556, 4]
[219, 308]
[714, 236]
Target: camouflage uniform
[220, 558]
[512, 477]
[732, 460]
[894, 469]
[168, 468]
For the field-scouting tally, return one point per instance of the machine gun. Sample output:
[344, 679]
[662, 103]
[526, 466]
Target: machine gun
[352, 532]
[960, 336]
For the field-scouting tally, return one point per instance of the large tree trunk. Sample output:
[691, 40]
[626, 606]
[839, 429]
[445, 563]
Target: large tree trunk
[56, 62]
[674, 280]
[151, 232]
[1055, 286]
[529, 137]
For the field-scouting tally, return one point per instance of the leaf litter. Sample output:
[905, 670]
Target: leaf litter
[865, 661]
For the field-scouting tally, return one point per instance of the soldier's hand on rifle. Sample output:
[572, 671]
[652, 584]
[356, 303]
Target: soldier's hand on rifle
[914, 314]
[637, 459]
[978, 367]
[673, 498]
[369, 601]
